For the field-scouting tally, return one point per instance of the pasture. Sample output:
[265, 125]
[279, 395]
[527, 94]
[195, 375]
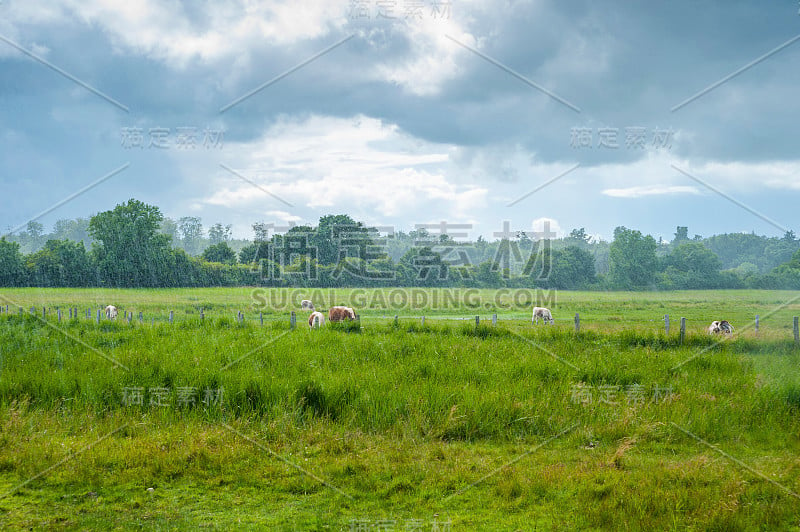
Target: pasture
[402, 425]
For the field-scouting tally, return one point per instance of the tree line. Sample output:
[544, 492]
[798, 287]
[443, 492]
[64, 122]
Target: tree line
[134, 245]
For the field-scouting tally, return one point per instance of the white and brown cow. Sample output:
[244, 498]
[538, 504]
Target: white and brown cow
[111, 312]
[319, 317]
[306, 304]
[543, 313]
[341, 313]
[720, 327]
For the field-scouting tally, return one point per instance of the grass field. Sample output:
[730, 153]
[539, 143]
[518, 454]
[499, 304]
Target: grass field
[377, 425]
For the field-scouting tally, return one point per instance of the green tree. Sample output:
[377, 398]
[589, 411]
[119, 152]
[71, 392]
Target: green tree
[572, 268]
[692, 265]
[12, 266]
[220, 252]
[128, 250]
[632, 259]
[60, 263]
[423, 267]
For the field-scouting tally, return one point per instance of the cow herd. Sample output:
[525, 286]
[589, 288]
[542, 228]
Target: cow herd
[339, 313]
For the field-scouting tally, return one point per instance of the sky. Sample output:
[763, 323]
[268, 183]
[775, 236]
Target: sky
[469, 115]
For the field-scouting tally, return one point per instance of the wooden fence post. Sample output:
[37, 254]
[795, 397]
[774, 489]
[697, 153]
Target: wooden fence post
[796, 331]
[423, 321]
[292, 321]
[756, 323]
[494, 320]
[59, 315]
[666, 324]
[683, 330]
[130, 317]
[171, 316]
[141, 318]
[577, 322]
[99, 312]
[44, 313]
[477, 320]
[395, 320]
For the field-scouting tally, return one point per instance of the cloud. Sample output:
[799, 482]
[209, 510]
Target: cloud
[176, 33]
[652, 190]
[360, 165]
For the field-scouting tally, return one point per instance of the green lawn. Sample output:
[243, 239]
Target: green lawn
[431, 426]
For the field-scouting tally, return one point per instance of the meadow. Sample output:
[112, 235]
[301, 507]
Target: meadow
[382, 424]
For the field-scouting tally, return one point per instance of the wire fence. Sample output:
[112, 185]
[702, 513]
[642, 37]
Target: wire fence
[99, 315]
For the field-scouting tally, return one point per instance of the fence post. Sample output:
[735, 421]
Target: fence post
[261, 318]
[756, 323]
[666, 324]
[292, 321]
[98, 315]
[796, 331]
[141, 318]
[423, 321]
[59, 315]
[44, 313]
[494, 320]
[130, 317]
[20, 311]
[202, 316]
[171, 315]
[577, 322]
[395, 320]
[683, 329]
[477, 320]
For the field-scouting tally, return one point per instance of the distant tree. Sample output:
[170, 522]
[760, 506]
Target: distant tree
[220, 252]
[681, 235]
[632, 259]
[190, 229]
[487, 274]
[12, 266]
[571, 268]
[691, 265]
[693, 257]
[170, 228]
[339, 236]
[421, 266]
[219, 233]
[76, 230]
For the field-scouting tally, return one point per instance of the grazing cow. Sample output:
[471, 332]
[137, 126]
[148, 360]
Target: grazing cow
[318, 316]
[720, 327]
[111, 312]
[544, 313]
[341, 314]
[306, 304]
